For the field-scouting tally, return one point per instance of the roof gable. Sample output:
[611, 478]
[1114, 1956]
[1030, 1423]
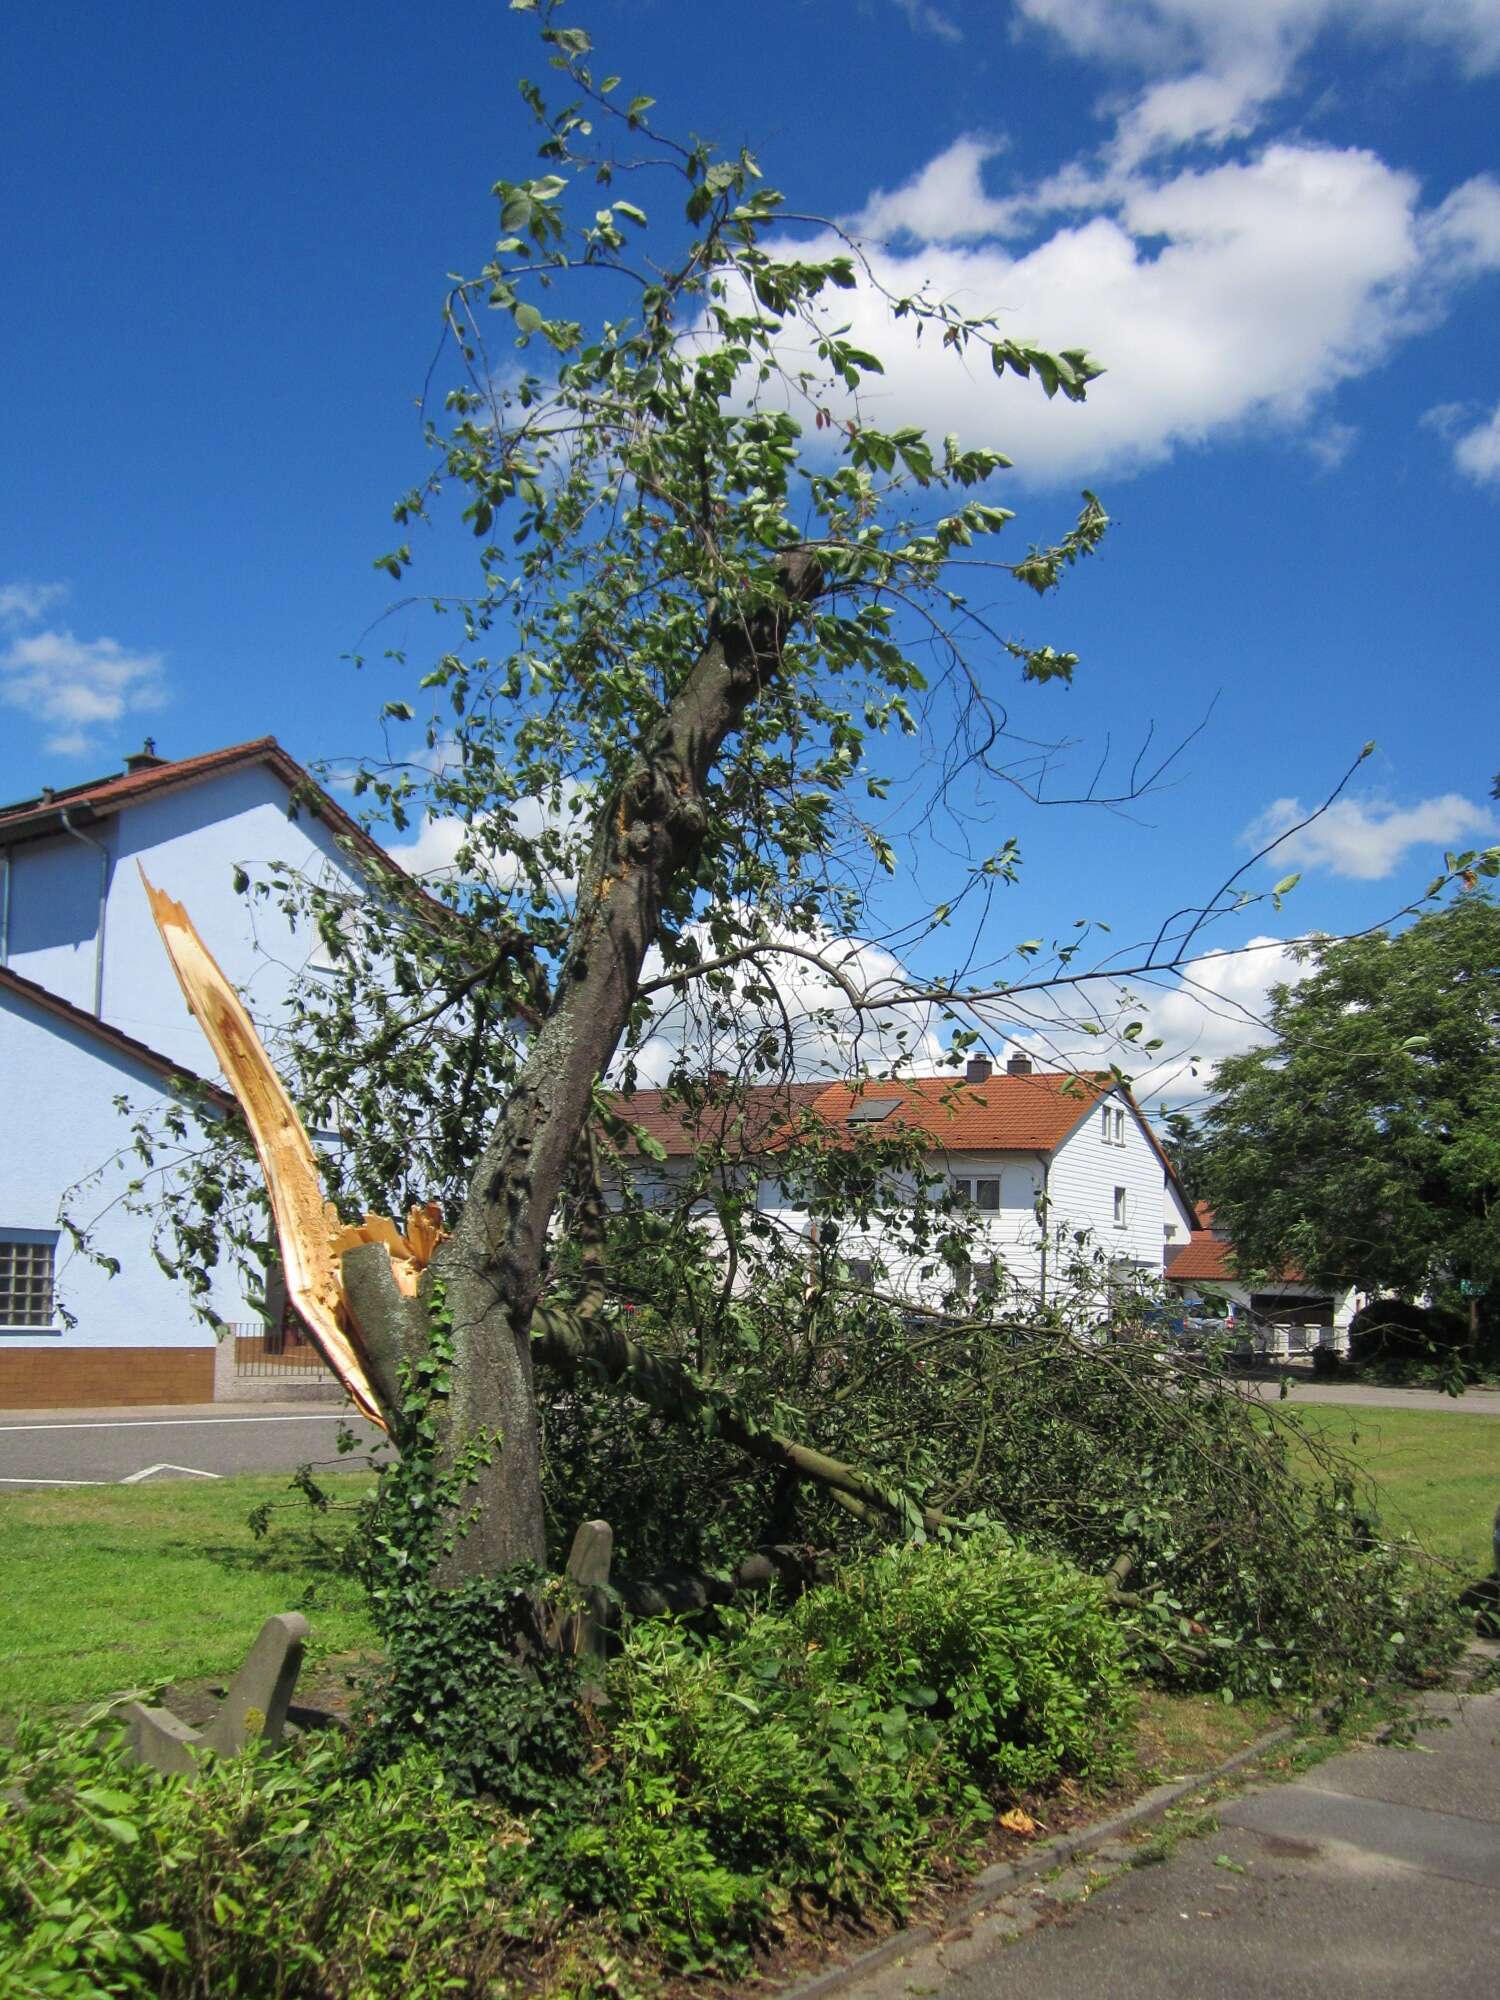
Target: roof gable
[103, 798]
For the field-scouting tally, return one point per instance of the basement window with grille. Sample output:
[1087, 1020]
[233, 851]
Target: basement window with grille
[27, 1265]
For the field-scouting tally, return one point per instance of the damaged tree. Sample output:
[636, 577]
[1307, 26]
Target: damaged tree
[699, 619]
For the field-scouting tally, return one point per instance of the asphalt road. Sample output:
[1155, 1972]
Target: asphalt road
[126, 1448]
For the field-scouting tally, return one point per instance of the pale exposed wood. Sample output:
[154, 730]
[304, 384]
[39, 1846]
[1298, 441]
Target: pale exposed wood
[285, 1151]
[409, 1254]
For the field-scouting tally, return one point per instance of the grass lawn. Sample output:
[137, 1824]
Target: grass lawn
[115, 1587]
[1436, 1472]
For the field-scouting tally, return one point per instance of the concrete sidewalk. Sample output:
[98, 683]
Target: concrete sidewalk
[1376, 1876]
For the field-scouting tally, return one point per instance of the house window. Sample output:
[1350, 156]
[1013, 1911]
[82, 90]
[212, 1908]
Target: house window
[983, 1194]
[1107, 1115]
[26, 1273]
[1120, 1201]
[1119, 1128]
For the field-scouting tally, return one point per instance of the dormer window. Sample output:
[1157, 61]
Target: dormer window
[984, 1194]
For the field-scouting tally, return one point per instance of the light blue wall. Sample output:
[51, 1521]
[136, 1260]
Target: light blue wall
[60, 1082]
[54, 913]
[60, 1123]
[190, 843]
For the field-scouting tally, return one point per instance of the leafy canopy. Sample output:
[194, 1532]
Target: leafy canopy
[1363, 1143]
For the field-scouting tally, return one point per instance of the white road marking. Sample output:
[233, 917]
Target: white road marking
[56, 1482]
[146, 1471]
[166, 1423]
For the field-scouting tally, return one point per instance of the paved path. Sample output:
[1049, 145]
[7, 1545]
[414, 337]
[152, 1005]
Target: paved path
[1374, 1877]
[1472, 1403]
[109, 1447]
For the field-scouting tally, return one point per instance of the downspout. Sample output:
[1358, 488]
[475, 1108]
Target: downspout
[5, 911]
[1046, 1216]
[103, 853]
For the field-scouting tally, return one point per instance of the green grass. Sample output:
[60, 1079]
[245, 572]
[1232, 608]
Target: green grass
[117, 1587]
[1436, 1473]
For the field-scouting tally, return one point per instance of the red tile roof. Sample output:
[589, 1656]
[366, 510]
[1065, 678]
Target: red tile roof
[1207, 1257]
[748, 1120]
[1203, 1256]
[1004, 1114]
[24, 989]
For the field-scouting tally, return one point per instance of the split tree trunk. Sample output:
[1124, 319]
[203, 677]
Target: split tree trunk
[492, 1266]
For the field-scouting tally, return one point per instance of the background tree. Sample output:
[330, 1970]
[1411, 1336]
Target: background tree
[1363, 1143]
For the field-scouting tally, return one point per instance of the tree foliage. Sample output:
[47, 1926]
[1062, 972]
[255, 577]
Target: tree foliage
[1363, 1143]
[709, 585]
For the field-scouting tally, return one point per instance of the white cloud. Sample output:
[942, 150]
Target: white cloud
[926, 19]
[78, 686]
[1213, 1007]
[1367, 839]
[1213, 66]
[1243, 291]
[945, 202]
[434, 853]
[1477, 452]
[827, 1039]
[23, 603]
[1218, 293]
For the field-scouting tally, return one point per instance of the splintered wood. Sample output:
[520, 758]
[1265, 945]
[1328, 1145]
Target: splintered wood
[309, 1231]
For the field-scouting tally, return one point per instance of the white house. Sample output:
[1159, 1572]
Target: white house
[90, 1011]
[1287, 1306]
[1058, 1168]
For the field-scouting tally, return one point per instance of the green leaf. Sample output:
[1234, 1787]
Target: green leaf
[638, 107]
[528, 319]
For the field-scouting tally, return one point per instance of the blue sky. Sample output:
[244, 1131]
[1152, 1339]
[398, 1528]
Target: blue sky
[1277, 222]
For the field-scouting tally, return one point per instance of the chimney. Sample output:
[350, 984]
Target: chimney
[144, 759]
[1018, 1065]
[980, 1069]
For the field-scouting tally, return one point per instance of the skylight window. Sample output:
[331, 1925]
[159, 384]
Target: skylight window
[870, 1110]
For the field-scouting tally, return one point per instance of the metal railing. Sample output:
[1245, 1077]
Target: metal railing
[261, 1350]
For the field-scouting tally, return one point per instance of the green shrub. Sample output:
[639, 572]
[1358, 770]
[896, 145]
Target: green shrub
[1013, 1655]
[272, 1877]
[1397, 1331]
[838, 1746]
[829, 1752]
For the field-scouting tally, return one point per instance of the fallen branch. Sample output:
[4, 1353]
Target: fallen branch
[578, 1346]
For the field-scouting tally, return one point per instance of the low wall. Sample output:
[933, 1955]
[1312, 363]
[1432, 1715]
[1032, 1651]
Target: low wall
[62, 1377]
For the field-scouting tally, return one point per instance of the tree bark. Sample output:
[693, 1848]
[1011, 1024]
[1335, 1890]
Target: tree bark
[491, 1268]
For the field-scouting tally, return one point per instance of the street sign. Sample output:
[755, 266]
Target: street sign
[1473, 1288]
